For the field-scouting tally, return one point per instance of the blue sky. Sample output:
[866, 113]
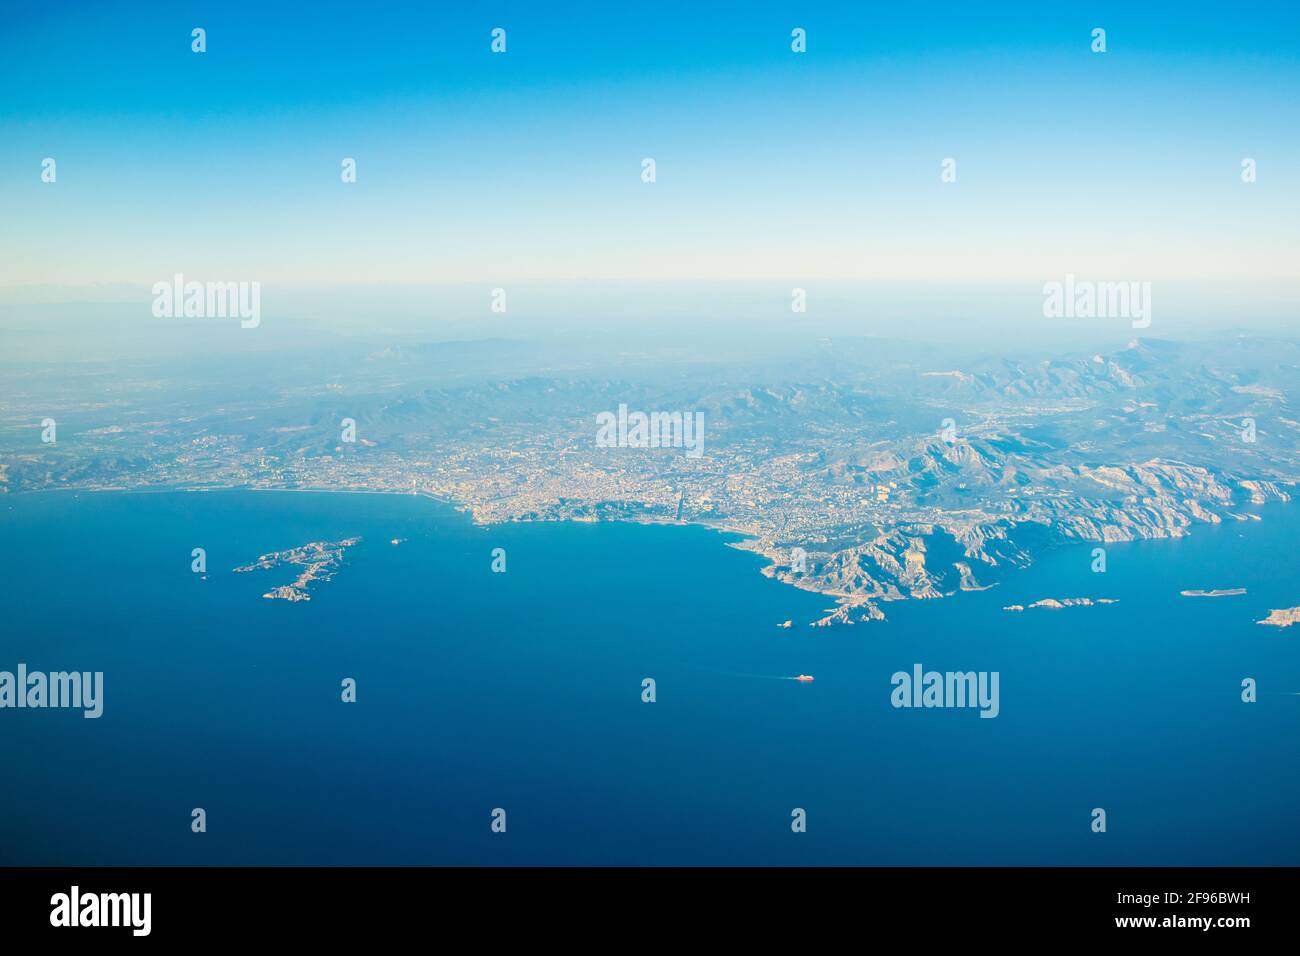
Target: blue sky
[524, 166]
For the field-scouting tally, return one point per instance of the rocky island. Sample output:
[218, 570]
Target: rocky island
[1283, 617]
[319, 561]
[1058, 603]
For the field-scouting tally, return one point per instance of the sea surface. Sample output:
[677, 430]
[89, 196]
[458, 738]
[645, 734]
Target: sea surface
[522, 691]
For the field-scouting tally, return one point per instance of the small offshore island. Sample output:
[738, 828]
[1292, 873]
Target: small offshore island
[1217, 592]
[320, 561]
[1058, 603]
[1283, 617]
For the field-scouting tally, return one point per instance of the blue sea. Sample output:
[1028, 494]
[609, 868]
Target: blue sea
[522, 691]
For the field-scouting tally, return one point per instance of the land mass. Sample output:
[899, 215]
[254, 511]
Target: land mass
[893, 471]
[1058, 603]
[319, 560]
[1284, 617]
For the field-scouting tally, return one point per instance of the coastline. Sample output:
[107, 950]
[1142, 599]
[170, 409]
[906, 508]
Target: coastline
[748, 540]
